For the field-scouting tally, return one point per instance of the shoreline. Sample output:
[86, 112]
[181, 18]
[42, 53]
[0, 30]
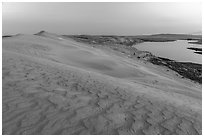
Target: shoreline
[192, 71]
[189, 70]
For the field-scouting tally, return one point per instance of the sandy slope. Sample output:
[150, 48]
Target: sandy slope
[53, 85]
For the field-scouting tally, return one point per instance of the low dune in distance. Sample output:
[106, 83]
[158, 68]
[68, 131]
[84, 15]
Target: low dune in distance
[52, 84]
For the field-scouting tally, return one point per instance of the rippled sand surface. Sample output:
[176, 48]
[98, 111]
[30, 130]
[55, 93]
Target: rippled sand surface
[53, 85]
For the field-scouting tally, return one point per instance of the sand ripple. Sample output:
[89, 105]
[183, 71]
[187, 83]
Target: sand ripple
[43, 99]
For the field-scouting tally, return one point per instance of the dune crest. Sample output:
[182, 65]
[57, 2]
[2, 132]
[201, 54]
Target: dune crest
[55, 85]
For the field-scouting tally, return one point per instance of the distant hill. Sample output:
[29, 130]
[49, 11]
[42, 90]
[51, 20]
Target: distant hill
[131, 40]
[197, 33]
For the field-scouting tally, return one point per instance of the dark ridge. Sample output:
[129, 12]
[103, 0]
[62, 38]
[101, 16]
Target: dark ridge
[6, 36]
[165, 59]
[196, 49]
[41, 32]
[198, 52]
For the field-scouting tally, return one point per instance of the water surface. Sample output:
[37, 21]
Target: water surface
[176, 50]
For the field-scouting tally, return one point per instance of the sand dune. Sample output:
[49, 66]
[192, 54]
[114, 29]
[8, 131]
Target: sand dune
[54, 85]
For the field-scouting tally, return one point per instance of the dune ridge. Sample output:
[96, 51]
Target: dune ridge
[54, 85]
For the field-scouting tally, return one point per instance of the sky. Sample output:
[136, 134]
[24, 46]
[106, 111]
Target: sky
[122, 18]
